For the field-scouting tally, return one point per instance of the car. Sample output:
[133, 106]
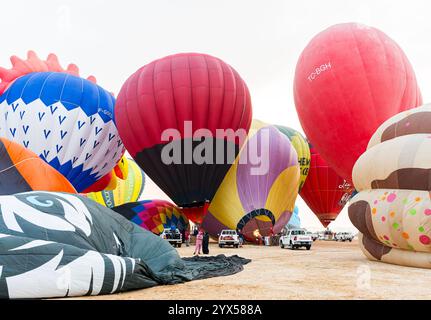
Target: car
[296, 238]
[343, 236]
[174, 237]
[228, 237]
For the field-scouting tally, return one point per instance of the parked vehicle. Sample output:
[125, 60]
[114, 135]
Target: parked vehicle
[311, 234]
[228, 238]
[314, 236]
[174, 237]
[296, 238]
[343, 236]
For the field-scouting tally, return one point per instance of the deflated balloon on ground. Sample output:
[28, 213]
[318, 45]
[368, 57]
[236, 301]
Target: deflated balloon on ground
[60, 245]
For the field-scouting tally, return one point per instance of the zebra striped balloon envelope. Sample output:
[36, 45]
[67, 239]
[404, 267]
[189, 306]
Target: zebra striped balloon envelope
[259, 189]
[62, 245]
[66, 120]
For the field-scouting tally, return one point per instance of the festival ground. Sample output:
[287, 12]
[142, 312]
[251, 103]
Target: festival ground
[330, 270]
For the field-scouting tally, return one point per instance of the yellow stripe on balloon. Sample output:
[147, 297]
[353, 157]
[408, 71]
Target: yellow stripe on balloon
[278, 204]
[230, 210]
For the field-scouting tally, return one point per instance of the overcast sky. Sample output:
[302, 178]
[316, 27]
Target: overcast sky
[262, 40]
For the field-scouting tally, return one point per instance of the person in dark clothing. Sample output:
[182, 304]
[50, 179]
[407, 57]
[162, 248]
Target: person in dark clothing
[183, 235]
[240, 237]
[205, 243]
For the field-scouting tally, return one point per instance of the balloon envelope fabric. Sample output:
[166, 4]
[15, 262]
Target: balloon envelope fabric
[22, 170]
[256, 193]
[392, 210]
[324, 191]
[302, 149]
[60, 245]
[66, 120]
[154, 215]
[127, 190]
[295, 221]
[349, 79]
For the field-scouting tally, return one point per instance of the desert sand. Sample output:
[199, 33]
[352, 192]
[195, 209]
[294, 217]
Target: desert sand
[330, 270]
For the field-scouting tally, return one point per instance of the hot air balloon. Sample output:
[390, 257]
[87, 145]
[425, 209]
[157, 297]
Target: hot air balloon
[66, 120]
[302, 149]
[62, 245]
[349, 79]
[183, 119]
[128, 190]
[154, 215]
[392, 210]
[324, 191]
[295, 221]
[257, 195]
[22, 170]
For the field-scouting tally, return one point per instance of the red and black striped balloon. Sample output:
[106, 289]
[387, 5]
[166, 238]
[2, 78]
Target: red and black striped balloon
[167, 93]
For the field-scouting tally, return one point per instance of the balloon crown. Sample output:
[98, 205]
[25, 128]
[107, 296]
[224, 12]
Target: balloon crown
[33, 63]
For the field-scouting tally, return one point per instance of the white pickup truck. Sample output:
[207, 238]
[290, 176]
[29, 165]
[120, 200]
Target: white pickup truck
[228, 238]
[296, 238]
[174, 237]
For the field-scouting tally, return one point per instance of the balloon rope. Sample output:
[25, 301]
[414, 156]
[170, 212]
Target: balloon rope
[3, 170]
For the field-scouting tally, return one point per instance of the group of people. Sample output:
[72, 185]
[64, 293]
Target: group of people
[202, 241]
[203, 238]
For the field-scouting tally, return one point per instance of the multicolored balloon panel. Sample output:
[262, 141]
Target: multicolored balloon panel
[302, 149]
[256, 193]
[191, 95]
[127, 190]
[154, 215]
[324, 191]
[349, 79]
[393, 207]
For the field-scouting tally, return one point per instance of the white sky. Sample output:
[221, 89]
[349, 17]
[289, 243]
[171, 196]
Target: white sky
[262, 40]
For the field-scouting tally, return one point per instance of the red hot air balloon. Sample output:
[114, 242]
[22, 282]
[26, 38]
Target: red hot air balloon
[349, 79]
[324, 191]
[194, 95]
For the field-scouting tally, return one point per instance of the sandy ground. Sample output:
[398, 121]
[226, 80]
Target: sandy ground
[330, 270]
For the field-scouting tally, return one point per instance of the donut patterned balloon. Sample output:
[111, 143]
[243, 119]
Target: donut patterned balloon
[392, 210]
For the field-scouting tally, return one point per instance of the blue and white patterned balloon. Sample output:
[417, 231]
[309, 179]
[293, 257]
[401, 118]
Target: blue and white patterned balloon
[67, 120]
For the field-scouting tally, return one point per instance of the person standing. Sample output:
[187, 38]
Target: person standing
[205, 243]
[198, 246]
[187, 238]
[240, 237]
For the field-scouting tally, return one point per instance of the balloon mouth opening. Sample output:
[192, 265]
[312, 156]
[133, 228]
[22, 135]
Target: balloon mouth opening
[257, 224]
[196, 211]
[195, 204]
[328, 219]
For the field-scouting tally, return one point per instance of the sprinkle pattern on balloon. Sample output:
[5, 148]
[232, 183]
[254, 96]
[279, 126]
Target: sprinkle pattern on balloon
[393, 207]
